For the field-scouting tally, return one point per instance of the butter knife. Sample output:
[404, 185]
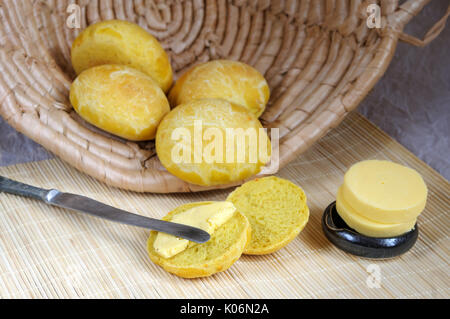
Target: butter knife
[92, 207]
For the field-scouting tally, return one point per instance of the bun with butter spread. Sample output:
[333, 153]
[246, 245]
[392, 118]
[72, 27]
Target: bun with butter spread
[229, 238]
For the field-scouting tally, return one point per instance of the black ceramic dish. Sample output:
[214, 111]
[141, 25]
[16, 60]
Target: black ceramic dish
[349, 240]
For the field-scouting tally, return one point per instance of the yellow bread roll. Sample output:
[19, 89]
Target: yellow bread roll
[208, 217]
[384, 191]
[122, 42]
[199, 260]
[119, 100]
[229, 80]
[212, 142]
[276, 209]
[366, 226]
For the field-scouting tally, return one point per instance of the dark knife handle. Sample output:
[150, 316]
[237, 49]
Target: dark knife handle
[12, 187]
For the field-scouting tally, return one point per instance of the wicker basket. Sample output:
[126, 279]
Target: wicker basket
[319, 57]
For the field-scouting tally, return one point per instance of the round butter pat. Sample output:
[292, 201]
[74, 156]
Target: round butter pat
[385, 192]
[367, 227]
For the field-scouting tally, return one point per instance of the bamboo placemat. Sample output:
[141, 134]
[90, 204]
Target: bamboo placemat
[47, 252]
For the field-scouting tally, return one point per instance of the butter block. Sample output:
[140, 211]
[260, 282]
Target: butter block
[366, 226]
[208, 217]
[385, 192]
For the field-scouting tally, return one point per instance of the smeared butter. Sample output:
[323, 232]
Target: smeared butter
[208, 217]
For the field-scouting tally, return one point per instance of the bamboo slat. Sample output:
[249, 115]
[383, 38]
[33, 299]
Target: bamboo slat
[47, 252]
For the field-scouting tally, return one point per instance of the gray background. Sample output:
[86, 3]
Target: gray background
[411, 102]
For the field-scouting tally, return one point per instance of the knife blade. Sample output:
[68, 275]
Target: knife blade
[95, 208]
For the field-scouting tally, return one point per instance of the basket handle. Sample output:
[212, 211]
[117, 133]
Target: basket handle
[429, 36]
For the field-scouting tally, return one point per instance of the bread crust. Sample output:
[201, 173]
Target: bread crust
[125, 43]
[120, 100]
[222, 117]
[233, 81]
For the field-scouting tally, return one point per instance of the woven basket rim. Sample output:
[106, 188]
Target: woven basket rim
[349, 58]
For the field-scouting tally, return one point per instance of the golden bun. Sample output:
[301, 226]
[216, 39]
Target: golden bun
[214, 115]
[276, 209]
[119, 100]
[233, 81]
[199, 260]
[122, 42]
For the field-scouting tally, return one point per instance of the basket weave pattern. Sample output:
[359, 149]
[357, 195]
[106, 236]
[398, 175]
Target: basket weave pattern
[318, 56]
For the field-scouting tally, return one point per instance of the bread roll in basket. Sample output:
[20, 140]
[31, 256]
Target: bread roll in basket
[320, 58]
